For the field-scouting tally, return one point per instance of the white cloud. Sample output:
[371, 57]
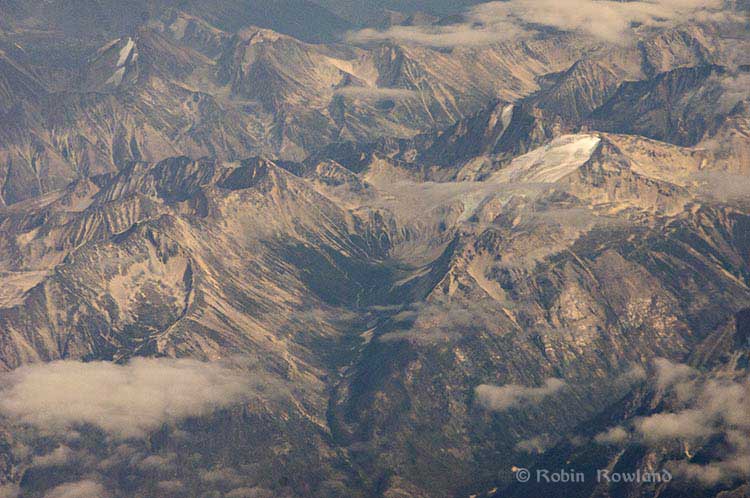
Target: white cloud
[438, 36]
[668, 374]
[703, 408]
[537, 444]
[81, 489]
[172, 486]
[500, 398]
[441, 322]
[728, 402]
[634, 374]
[224, 475]
[374, 93]
[492, 22]
[699, 410]
[249, 493]
[707, 475]
[59, 456]
[614, 435]
[125, 400]
[736, 88]
[722, 185]
[122, 453]
[687, 424]
[157, 463]
[733, 466]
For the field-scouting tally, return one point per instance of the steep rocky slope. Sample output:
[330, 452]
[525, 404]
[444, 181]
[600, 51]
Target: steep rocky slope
[678, 106]
[380, 300]
[182, 86]
[235, 263]
[186, 86]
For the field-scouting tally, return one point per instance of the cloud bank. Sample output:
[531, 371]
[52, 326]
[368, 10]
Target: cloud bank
[501, 398]
[713, 409]
[492, 22]
[124, 400]
[669, 374]
[374, 93]
[614, 435]
[434, 323]
[81, 489]
[535, 445]
[701, 409]
[687, 424]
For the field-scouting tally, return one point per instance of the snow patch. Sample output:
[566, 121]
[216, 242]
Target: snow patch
[364, 72]
[116, 78]
[549, 163]
[506, 116]
[17, 284]
[125, 52]
[457, 202]
[109, 45]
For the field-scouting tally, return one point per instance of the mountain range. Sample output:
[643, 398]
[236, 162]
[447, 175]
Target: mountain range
[249, 250]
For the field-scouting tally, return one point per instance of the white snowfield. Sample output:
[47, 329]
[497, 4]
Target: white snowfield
[116, 77]
[17, 284]
[125, 52]
[506, 116]
[549, 163]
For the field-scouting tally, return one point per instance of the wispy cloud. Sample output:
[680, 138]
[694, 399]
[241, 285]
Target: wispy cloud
[431, 323]
[157, 464]
[736, 88]
[171, 487]
[722, 185]
[439, 36]
[686, 424]
[537, 444]
[125, 400]
[703, 408]
[80, 489]
[700, 410]
[492, 22]
[614, 435]
[61, 455]
[668, 373]
[249, 493]
[501, 398]
[375, 93]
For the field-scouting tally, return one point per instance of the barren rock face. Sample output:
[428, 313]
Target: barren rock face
[236, 261]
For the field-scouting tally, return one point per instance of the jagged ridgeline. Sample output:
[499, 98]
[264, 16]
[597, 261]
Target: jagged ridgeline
[403, 249]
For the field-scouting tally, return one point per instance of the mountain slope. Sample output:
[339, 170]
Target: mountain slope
[240, 263]
[383, 298]
[677, 106]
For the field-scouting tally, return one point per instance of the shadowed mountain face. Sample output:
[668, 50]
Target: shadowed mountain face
[239, 259]
[300, 18]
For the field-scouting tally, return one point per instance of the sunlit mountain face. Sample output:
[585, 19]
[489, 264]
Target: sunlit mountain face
[255, 248]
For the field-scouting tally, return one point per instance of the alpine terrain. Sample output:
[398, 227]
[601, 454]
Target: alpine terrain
[395, 249]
